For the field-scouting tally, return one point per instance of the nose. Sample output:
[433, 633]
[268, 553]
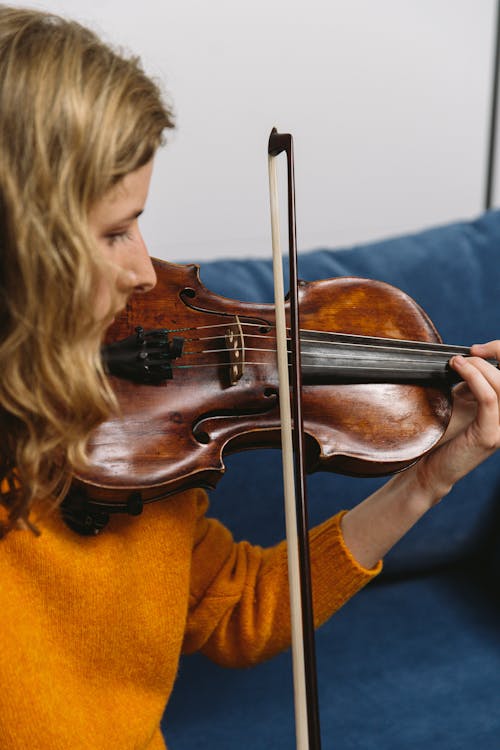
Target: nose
[142, 268]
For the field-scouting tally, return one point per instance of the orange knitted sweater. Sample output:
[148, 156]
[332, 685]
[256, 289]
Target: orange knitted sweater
[92, 628]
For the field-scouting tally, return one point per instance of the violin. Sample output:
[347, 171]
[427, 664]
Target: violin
[195, 378]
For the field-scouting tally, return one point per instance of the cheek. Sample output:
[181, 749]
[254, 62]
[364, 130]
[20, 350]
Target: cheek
[103, 298]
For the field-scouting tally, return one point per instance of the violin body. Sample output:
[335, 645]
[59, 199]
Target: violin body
[222, 393]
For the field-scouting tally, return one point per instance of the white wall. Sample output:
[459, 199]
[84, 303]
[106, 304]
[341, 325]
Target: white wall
[387, 100]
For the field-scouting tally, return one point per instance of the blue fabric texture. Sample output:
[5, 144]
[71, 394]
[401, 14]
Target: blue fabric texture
[413, 660]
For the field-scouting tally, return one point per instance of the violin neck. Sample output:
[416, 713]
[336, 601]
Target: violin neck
[344, 358]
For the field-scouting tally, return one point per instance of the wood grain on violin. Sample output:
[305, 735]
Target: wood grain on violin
[370, 408]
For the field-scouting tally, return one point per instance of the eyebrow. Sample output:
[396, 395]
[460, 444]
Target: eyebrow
[124, 220]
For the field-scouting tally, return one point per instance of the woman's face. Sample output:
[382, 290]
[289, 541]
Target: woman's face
[113, 221]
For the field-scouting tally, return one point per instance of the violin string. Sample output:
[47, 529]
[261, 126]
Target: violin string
[337, 367]
[360, 341]
[408, 352]
[388, 366]
[360, 366]
[391, 362]
[419, 366]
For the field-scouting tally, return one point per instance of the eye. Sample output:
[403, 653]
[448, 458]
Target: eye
[115, 237]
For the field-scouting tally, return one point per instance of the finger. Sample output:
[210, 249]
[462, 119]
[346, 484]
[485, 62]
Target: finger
[488, 370]
[489, 349]
[484, 382]
[481, 377]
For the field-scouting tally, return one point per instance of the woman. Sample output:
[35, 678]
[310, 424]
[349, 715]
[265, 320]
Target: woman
[93, 627]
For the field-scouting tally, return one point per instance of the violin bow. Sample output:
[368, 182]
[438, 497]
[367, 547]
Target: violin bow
[307, 728]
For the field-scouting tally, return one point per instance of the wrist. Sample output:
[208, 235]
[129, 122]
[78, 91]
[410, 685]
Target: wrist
[371, 528]
[424, 489]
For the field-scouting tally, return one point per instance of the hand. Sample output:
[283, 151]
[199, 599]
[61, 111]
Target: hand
[474, 430]
[375, 525]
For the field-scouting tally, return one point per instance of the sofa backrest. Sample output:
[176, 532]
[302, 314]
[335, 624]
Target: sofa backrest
[453, 272]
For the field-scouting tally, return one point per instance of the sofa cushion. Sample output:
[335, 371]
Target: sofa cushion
[453, 272]
[404, 665]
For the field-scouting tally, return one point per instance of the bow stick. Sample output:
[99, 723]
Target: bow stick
[307, 727]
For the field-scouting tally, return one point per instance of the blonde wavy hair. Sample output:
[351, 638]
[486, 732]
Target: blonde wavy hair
[75, 117]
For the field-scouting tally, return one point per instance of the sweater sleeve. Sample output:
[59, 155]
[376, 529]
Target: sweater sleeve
[239, 609]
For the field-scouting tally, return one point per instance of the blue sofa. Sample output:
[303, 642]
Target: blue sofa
[413, 660]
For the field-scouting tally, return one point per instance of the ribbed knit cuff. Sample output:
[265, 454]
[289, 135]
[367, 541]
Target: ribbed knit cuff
[337, 575]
